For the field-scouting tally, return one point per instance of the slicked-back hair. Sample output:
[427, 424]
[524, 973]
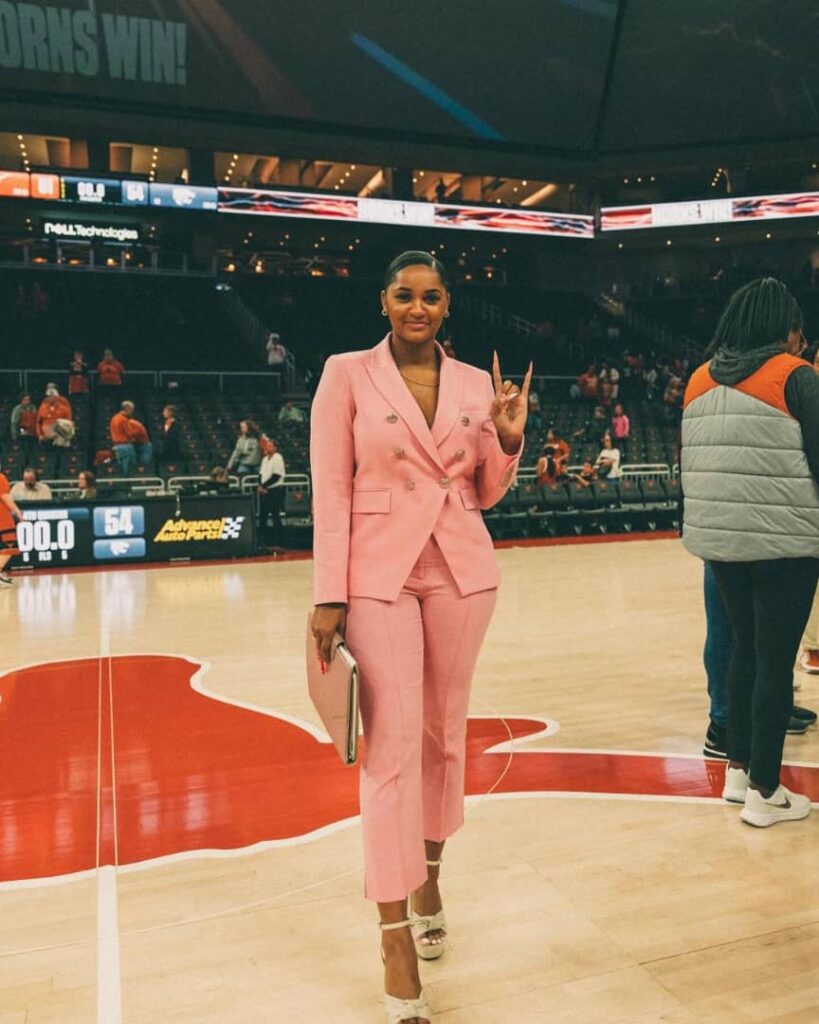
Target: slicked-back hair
[758, 315]
[415, 258]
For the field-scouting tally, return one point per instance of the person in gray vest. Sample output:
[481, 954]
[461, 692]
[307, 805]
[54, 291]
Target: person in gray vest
[750, 466]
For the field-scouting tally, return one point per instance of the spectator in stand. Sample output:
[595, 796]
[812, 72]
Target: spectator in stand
[271, 492]
[129, 440]
[247, 455]
[604, 386]
[78, 386]
[39, 299]
[614, 381]
[30, 488]
[587, 475]
[218, 482]
[534, 410]
[651, 379]
[587, 385]
[595, 429]
[24, 427]
[551, 466]
[608, 461]
[55, 425]
[170, 441]
[290, 413]
[673, 397]
[621, 429]
[110, 374]
[276, 352]
[10, 515]
[87, 486]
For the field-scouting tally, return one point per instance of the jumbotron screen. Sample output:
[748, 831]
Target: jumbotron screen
[426, 68]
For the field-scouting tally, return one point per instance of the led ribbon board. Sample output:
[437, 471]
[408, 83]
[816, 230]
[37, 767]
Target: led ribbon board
[352, 209]
[709, 211]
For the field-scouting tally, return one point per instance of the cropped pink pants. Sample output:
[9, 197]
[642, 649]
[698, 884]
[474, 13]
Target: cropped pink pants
[416, 656]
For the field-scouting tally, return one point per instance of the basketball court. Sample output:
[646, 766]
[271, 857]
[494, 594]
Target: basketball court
[179, 843]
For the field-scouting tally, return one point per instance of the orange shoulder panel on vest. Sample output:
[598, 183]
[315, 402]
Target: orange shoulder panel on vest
[701, 381]
[769, 381]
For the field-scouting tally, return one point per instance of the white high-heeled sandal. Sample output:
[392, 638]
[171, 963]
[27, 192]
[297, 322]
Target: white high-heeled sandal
[422, 925]
[401, 1010]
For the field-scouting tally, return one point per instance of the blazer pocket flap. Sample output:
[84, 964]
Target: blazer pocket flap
[372, 501]
[469, 498]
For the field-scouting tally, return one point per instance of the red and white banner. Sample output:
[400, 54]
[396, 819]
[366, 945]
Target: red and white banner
[709, 211]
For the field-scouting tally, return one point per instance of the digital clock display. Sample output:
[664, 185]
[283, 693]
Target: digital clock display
[48, 536]
[93, 191]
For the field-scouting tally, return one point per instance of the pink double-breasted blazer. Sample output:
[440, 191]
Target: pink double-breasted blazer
[383, 481]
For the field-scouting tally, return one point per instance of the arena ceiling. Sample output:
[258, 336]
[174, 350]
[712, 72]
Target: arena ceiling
[572, 78]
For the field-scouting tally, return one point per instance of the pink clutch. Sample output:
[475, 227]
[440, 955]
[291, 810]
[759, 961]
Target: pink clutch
[334, 694]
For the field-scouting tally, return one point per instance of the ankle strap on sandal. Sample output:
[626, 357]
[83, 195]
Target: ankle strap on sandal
[393, 927]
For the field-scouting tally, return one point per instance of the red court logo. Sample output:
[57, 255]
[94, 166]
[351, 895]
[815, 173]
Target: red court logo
[132, 745]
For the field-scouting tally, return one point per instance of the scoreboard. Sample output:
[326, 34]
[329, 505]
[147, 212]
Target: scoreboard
[56, 534]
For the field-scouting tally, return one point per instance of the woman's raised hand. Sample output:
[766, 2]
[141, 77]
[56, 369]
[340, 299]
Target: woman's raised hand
[510, 407]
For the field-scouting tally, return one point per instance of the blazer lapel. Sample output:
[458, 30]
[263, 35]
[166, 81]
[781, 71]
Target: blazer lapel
[385, 376]
[450, 394]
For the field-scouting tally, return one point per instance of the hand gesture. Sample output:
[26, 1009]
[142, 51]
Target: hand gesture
[510, 407]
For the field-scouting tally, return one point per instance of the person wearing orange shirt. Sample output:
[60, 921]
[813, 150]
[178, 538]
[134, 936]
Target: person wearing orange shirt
[78, 375]
[110, 373]
[10, 515]
[52, 408]
[55, 426]
[129, 440]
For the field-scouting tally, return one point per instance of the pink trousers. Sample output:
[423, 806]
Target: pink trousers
[417, 656]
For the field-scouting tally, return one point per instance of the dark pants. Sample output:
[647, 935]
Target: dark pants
[719, 643]
[28, 446]
[272, 505]
[768, 603]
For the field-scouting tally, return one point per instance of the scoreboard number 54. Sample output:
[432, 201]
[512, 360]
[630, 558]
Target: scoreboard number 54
[119, 522]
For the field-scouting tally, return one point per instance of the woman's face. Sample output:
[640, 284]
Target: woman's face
[243, 428]
[416, 302]
[167, 413]
[607, 442]
[83, 482]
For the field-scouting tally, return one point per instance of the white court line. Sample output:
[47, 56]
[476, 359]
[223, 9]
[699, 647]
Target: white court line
[109, 985]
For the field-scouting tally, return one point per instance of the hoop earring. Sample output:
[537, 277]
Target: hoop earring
[447, 313]
[383, 312]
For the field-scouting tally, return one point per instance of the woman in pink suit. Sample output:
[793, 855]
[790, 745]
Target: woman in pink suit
[407, 447]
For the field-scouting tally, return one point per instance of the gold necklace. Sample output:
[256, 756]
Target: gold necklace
[420, 383]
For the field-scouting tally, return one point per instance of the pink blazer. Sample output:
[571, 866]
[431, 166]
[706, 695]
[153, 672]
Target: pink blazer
[383, 481]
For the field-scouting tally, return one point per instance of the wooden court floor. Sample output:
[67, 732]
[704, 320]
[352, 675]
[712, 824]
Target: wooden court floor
[177, 844]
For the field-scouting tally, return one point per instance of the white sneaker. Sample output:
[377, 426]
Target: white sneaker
[5, 580]
[736, 785]
[782, 806]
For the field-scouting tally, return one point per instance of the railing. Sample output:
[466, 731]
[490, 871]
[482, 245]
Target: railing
[21, 380]
[219, 376]
[174, 484]
[631, 471]
[146, 485]
[292, 480]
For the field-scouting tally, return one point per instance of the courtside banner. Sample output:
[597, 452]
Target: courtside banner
[281, 203]
[709, 211]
